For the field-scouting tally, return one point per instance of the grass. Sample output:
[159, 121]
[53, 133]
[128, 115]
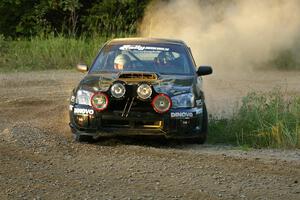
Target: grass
[41, 53]
[263, 120]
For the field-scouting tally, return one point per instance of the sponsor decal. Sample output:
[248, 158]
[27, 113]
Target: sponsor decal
[181, 114]
[142, 48]
[83, 111]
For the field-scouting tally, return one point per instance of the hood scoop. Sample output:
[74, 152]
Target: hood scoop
[137, 77]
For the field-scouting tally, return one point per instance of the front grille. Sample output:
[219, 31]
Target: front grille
[115, 123]
[138, 105]
[140, 115]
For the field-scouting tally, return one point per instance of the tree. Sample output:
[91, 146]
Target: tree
[32, 17]
[114, 16]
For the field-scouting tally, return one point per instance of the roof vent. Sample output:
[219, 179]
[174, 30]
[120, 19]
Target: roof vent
[137, 76]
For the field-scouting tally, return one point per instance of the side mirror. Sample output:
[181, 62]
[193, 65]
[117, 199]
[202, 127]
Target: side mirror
[82, 67]
[204, 70]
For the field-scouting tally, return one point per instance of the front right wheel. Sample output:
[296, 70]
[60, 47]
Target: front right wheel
[204, 128]
[201, 138]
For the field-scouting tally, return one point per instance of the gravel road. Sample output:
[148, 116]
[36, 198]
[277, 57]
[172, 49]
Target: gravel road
[39, 159]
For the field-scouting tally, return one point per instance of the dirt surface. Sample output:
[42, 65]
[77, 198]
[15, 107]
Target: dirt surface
[39, 159]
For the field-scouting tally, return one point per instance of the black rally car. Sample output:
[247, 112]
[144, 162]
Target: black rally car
[140, 86]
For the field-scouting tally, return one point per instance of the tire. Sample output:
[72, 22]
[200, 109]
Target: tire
[204, 128]
[83, 138]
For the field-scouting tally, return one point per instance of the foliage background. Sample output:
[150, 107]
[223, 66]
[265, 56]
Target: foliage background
[28, 18]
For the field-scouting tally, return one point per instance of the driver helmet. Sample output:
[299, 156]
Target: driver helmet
[121, 61]
[162, 58]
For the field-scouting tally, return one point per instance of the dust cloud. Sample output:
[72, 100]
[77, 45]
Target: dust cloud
[238, 35]
[238, 38]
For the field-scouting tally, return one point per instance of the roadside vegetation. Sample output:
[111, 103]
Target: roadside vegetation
[262, 120]
[43, 53]
[42, 34]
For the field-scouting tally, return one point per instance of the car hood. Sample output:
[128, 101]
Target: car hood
[168, 84]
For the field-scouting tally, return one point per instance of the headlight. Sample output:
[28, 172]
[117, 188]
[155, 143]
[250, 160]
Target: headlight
[84, 97]
[183, 101]
[118, 90]
[144, 91]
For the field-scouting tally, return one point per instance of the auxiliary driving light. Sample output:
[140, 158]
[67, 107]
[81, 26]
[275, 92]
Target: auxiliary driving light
[144, 91]
[161, 103]
[99, 101]
[118, 90]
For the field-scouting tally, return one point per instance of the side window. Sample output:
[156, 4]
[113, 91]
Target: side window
[176, 54]
[179, 63]
[109, 61]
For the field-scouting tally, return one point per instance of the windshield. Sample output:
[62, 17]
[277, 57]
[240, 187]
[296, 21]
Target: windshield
[158, 58]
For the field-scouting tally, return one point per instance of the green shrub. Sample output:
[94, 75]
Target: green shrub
[263, 120]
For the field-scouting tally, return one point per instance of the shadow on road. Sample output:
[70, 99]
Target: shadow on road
[150, 141]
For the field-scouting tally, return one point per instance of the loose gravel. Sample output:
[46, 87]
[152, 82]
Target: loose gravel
[40, 160]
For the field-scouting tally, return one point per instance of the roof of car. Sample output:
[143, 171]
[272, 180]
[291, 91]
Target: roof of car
[145, 41]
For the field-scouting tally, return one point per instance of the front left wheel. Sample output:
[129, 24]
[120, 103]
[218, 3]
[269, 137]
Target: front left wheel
[83, 138]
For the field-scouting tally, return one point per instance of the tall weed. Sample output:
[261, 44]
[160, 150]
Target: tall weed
[263, 120]
[40, 53]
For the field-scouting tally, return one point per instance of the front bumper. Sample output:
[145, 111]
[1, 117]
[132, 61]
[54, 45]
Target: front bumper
[177, 123]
